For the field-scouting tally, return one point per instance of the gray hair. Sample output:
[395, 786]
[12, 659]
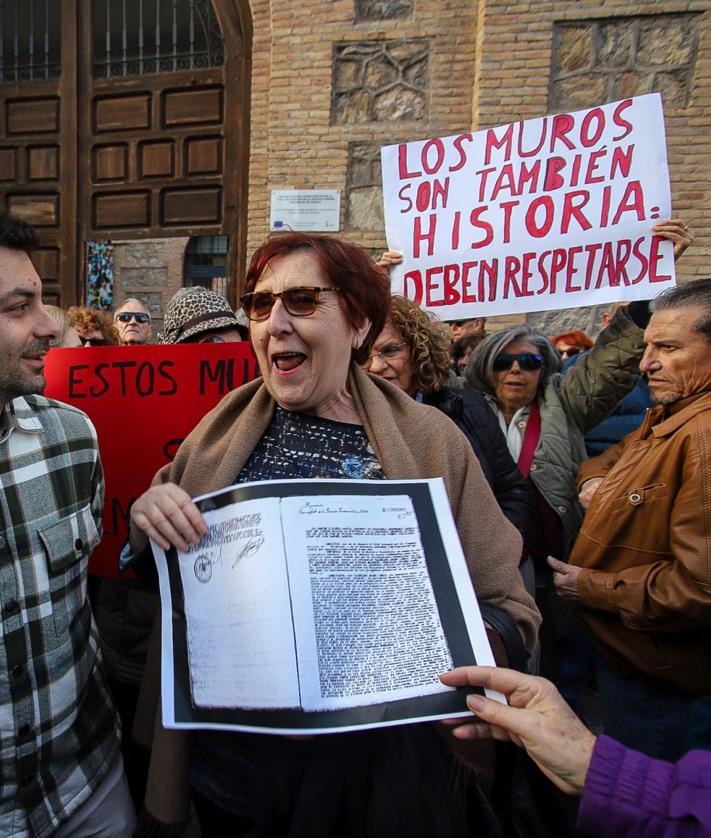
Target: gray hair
[134, 300]
[479, 374]
[696, 293]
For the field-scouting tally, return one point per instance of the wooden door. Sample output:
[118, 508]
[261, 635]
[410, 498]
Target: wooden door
[127, 140]
[38, 138]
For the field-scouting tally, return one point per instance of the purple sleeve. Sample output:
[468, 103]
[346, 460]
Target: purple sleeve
[628, 793]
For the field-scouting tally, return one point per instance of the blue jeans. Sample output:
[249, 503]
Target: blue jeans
[641, 717]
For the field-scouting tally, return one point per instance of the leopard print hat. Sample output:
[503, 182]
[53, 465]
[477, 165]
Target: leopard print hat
[193, 311]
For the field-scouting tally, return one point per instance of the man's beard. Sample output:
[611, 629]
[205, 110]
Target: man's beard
[14, 383]
[666, 398]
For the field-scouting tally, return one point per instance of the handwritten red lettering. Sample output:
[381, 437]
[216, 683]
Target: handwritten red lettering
[428, 236]
[402, 164]
[620, 121]
[458, 145]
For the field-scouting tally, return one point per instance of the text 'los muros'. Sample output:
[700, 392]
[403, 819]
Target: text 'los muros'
[506, 175]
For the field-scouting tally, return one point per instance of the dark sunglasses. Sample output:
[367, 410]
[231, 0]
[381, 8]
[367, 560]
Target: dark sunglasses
[92, 341]
[139, 317]
[568, 353]
[300, 301]
[527, 361]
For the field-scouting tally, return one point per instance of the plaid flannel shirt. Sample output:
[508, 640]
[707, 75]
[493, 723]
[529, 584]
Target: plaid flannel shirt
[59, 733]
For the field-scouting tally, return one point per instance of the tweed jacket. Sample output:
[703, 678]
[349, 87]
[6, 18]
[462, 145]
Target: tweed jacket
[411, 441]
[59, 733]
[645, 547]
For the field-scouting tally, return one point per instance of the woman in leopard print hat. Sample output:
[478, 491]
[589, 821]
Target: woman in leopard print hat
[197, 315]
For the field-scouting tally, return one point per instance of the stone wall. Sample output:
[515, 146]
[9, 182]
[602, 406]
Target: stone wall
[150, 269]
[539, 57]
[605, 60]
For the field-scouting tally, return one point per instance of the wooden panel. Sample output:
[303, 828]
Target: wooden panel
[203, 156]
[43, 162]
[122, 113]
[8, 164]
[110, 162]
[38, 210]
[156, 159]
[46, 261]
[181, 207]
[51, 294]
[32, 116]
[192, 107]
[121, 209]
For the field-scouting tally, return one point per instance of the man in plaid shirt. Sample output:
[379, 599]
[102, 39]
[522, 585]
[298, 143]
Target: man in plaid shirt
[61, 771]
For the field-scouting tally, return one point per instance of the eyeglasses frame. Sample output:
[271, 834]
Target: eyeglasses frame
[369, 360]
[245, 299]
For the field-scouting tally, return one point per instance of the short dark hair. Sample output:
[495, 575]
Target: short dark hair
[695, 293]
[16, 234]
[365, 288]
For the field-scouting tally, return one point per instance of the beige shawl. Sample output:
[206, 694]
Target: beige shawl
[411, 441]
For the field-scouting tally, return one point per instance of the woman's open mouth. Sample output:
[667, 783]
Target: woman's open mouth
[286, 362]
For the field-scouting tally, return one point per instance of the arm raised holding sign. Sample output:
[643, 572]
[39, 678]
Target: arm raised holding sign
[544, 415]
[676, 231]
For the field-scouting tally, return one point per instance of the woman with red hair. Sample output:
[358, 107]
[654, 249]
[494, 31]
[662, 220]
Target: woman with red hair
[316, 304]
[571, 343]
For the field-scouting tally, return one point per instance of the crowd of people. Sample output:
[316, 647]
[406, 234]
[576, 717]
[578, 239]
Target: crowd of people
[591, 568]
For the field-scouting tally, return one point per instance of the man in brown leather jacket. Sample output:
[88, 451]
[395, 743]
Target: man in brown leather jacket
[641, 567]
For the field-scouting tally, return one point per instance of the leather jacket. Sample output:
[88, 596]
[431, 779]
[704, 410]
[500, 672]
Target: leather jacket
[645, 546]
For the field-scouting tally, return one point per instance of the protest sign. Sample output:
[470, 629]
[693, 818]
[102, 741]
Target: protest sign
[143, 400]
[548, 213]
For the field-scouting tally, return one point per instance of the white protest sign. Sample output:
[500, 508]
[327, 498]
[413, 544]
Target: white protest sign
[549, 213]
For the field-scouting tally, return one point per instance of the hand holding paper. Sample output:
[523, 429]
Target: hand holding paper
[166, 514]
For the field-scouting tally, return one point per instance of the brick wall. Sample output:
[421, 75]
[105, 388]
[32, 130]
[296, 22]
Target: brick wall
[151, 270]
[519, 54]
[302, 139]
[330, 84]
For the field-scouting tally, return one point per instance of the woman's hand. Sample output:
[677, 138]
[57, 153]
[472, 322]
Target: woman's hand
[537, 719]
[676, 231]
[166, 514]
[388, 259]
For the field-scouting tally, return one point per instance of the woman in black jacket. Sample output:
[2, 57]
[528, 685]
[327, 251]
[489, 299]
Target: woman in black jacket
[413, 352]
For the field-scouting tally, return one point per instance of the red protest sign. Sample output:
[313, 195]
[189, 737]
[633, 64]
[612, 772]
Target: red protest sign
[143, 400]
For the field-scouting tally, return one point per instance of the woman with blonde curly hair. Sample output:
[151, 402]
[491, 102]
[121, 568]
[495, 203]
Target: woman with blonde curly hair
[413, 352]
